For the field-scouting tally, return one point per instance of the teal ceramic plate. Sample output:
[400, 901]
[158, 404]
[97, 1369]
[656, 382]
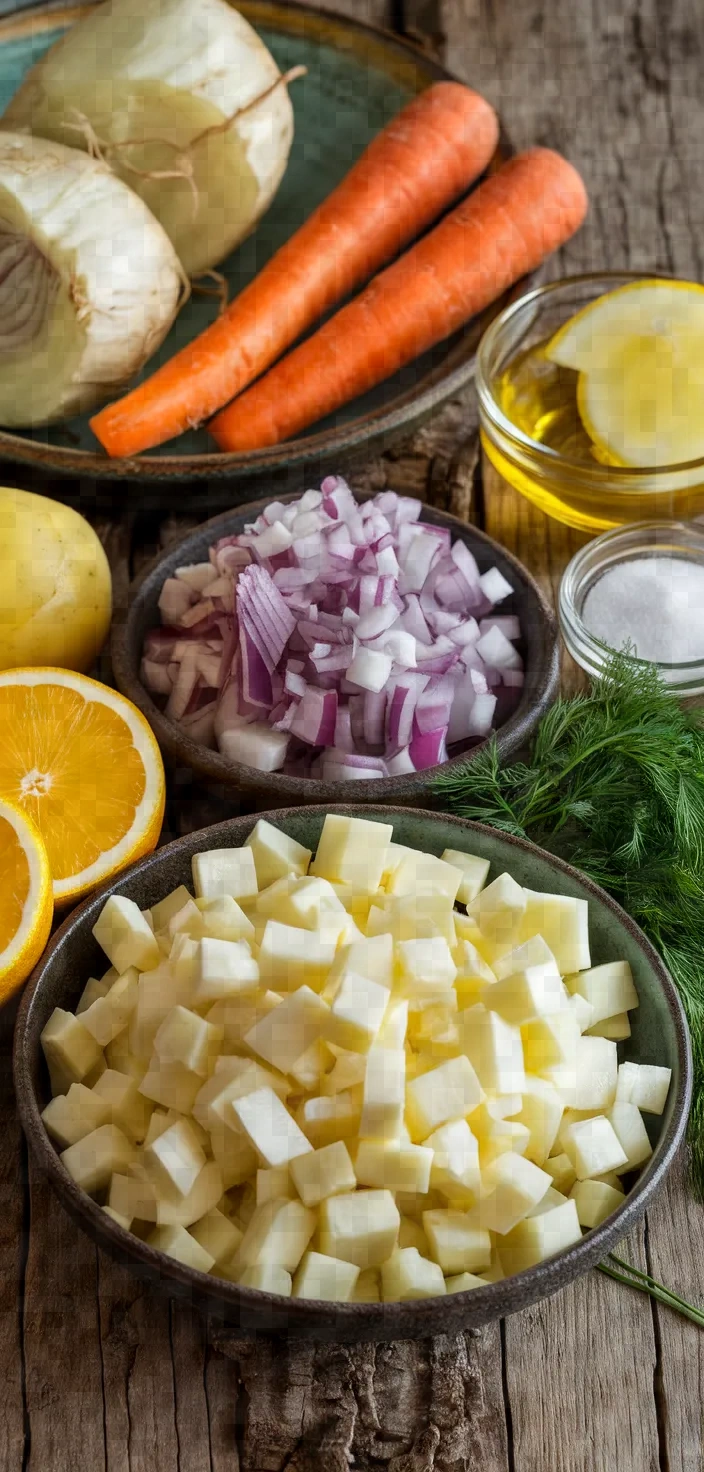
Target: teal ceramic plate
[357, 79]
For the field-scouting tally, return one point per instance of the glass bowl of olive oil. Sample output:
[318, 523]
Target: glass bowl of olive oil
[532, 429]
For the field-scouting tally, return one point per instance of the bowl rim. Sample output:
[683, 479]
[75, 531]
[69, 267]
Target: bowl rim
[311, 1317]
[213, 767]
[625, 477]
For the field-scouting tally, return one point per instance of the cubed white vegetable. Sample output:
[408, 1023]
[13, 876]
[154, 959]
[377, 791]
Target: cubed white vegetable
[174, 1160]
[597, 1074]
[562, 1171]
[425, 966]
[231, 1078]
[223, 871]
[357, 1013]
[494, 1048]
[393, 1030]
[282, 1035]
[324, 1172]
[92, 1160]
[393, 1165]
[93, 989]
[119, 1096]
[132, 1195]
[186, 921]
[157, 992]
[499, 909]
[235, 1157]
[274, 1184]
[275, 853]
[474, 871]
[176, 1242]
[184, 1037]
[462, 1282]
[330, 1117]
[593, 1147]
[267, 1278]
[278, 1233]
[205, 1193]
[582, 1011]
[256, 745]
[507, 1135]
[70, 1050]
[455, 1165]
[406, 1275]
[595, 1200]
[372, 956]
[627, 1123]
[238, 1014]
[224, 919]
[164, 910]
[548, 1201]
[290, 957]
[609, 988]
[269, 1127]
[226, 968]
[361, 1227]
[170, 1084]
[541, 1110]
[125, 936]
[474, 975]
[538, 1237]
[551, 1040]
[115, 1216]
[513, 1185]
[411, 1234]
[352, 851]
[448, 1092]
[384, 1093]
[217, 1235]
[456, 1242]
[526, 995]
[325, 1277]
[645, 1085]
[108, 1015]
[349, 1069]
[532, 952]
[367, 1289]
[563, 923]
[308, 1070]
[616, 1028]
[419, 873]
[69, 1117]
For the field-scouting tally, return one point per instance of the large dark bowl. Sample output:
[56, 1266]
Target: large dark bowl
[540, 650]
[659, 1036]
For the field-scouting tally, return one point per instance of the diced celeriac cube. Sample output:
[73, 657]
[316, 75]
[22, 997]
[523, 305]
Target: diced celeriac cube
[225, 871]
[645, 1085]
[278, 1233]
[563, 923]
[609, 989]
[499, 909]
[184, 1037]
[349, 1069]
[530, 953]
[541, 1110]
[418, 873]
[506, 1135]
[69, 1117]
[115, 1216]
[617, 1028]
[596, 1074]
[330, 1117]
[274, 1184]
[551, 1040]
[593, 1147]
[562, 1171]
[513, 1185]
[290, 957]
[325, 1277]
[269, 1127]
[448, 1092]
[356, 1013]
[241, 1205]
[170, 1084]
[91, 991]
[392, 1033]
[226, 968]
[275, 853]
[494, 1049]
[131, 1195]
[70, 1050]
[224, 919]
[232, 1078]
[595, 1200]
[235, 1157]
[456, 1242]
[119, 1096]
[526, 995]
[538, 1237]
[307, 903]
[393, 1165]
[92, 1160]
[124, 935]
[394, 855]
[164, 910]
[108, 1015]
[425, 966]
[157, 992]
[321, 1173]
[174, 1160]
[455, 1163]
[283, 1034]
[406, 1275]
[176, 1242]
[237, 1015]
[551, 1199]
[360, 1227]
[308, 1070]
[462, 1282]
[627, 1123]
[474, 872]
[413, 917]
[384, 1093]
[473, 974]
[411, 1234]
[217, 1234]
[367, 1289]
[205, 1193]
[372, 956]
[186, 921]
[162, 1119]
[267, 1278]
[582, 1011]
[352, 851]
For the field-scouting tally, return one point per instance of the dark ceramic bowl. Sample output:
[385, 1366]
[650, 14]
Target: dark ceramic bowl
[540, 648]
[659, 1036]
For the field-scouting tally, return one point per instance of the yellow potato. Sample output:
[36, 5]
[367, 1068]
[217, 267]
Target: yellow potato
[55, 586]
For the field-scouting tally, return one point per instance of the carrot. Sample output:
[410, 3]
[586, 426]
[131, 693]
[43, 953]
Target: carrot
[427, 156]
[504, 229]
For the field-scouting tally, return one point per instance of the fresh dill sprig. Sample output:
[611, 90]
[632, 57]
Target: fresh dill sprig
[615, 784]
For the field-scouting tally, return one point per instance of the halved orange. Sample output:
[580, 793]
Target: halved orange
[85, 766]
[26, 903]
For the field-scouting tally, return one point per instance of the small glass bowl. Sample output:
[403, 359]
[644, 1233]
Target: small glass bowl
[626, 544]
[580, 493]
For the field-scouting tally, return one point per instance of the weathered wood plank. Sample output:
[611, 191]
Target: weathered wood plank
[12, 1249]
[138, 1374]
[675, 1246]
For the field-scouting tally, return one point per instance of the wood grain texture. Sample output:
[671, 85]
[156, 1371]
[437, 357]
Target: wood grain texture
[12, 1260]
[675, 1250]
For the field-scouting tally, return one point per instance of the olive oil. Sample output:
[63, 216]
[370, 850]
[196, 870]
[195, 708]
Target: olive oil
[540, 398]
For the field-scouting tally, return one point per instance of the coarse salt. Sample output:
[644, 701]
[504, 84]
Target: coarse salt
[656, 604]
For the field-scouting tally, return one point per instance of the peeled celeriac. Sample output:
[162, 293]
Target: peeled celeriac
[90, 283]
[153, 83]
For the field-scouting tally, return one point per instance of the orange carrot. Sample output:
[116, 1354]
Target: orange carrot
[427, 156]
[504, 229]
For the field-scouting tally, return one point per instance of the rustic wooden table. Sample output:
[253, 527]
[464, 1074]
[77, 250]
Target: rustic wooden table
[101, 1375]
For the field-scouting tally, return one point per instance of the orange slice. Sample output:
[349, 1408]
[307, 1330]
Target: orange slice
[26, 903]
[84, 764]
